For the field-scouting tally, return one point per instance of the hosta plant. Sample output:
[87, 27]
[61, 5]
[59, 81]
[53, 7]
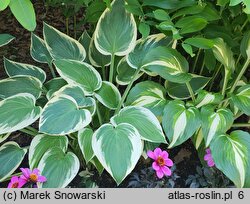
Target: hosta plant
[82, 117]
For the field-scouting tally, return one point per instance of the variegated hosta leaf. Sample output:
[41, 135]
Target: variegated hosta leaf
[85, 143]
[79, 73]
[116, 30]
[17, 112]
[214, 123]
[41, 144]
[118, 149]
[11, 156]
[77, 93]
[63, 112]
[223, 54]
[96, 58]
[242, 99]
[180, 91]
[143, 120]
[58, 167]
[231, 156]
[137, 57]
[108, 95]
[148, 94]
[125, 73]
[38, 50]
[179, 122]
[205, 98]
[54, 85]
[5, 39]
[245, 45]
[4, 137]
[16, 69]
[85, 41]
[168, 63]
[20, 84]
[62, 46]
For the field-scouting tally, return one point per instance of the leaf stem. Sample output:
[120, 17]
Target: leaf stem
[67, 25]
[104, 73]
[111, 72]
[9, 177]
[241, 125]
[190, 91]
[52, 70]
[196, 60]
[127, 90]
[98, 113]
[28, 132]
[214, 76]
[32, 129]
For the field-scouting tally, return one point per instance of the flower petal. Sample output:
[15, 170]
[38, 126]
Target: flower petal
[26, 172]
[169, 162]
[157, 152]
[14, 179]
[207, 157]
[166, 170]
[36, 171]
[24, 178]
[155, 166]
[41, 179]
[164, 155]
[151, 154]
[210, 163]
[22, 182]
[208, 151]
[159, 173]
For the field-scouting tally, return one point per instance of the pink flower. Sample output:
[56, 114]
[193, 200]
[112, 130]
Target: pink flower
[208, 157]
[32, 176]
[161, 162]
[15, 182]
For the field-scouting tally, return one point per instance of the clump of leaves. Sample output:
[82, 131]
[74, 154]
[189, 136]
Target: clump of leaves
[146, 178]
[206, 177]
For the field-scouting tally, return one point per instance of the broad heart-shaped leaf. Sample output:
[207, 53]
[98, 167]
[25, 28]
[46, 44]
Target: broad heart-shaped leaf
[11, 156]
[148, 94]
[41, 144]
[168, 63]
[54, 85]
[118, 149]
[242, 99]
[24, 12]
[77, 93]
[5, 39]
[4, 4]
[17, 112]
[125, 73]
[108, 95]
[191, 24]
[215, 122]
[85, 41]
[16, 69]
[205, 98]
[96, 58]
[58, 167]
[143, 120]
[231, 156]
[179, 122]
[62, 111]
[180, 91]
[79, 73]
[223, 54]
[20, 84]
[61, 46]
[85, 143]
[244, 45]
[115, 31]
[38, 50]
[137, 57]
